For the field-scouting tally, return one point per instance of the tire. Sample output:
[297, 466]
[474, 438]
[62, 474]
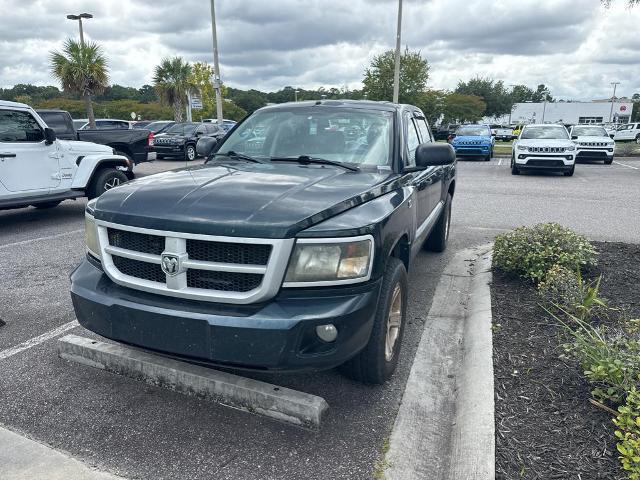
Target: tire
[377, 361]
[120, 152]
[44, 205]
[437, 239]
[104, 180]
[608, 161]
[638, 139]
[514, 169]
[159, 157]
[570, 172]
[190, 152]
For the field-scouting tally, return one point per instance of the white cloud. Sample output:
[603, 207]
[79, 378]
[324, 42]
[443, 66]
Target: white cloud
[575, 47]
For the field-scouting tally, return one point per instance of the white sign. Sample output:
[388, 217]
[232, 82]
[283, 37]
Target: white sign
[133, 115]
[196, 102]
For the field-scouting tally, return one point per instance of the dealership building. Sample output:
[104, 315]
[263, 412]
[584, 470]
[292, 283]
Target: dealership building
[568, 113]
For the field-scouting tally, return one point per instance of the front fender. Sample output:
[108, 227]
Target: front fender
[92, 163]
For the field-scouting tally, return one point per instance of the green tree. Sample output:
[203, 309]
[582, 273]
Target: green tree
[250, 100]
[432, 103]
[541, 94]
[148, 94]
[463, 108]
[200, 80]
[492, 92]
[414, 73]
[171, 80]
[81, 69]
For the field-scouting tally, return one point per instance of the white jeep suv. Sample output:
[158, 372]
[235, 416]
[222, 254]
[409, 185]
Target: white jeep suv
[543, 147]
[593, 143]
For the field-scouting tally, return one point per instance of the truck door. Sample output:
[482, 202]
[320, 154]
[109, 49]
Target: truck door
[426, 181]
[27, 164]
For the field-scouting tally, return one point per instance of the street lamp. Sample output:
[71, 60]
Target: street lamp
[613, 98]
[544, 107]
[396, 69]
[512, 103]
[79, 17]
[295, 95]
[217, 85]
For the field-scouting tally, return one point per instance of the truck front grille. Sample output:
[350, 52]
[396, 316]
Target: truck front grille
[203, 267]
[223, 281]
[546, 149]
[143, 270]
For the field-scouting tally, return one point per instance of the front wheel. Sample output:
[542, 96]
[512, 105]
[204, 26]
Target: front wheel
[104, 180]
[378, 360]
[608, 161]
[190, 152]
[570, 172]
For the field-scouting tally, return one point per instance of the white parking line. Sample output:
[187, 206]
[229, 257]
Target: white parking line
[46, 237]
[500, 162]
[625, 165]
[9, 352]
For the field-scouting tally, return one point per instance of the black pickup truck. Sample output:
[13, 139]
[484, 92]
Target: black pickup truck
[288, 249]
[135, 144]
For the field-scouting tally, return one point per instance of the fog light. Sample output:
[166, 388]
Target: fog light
[327, 333]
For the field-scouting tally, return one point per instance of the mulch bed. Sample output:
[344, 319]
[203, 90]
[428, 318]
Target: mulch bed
[545, 426]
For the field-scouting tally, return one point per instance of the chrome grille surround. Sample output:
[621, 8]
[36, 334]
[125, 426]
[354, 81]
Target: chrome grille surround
[177, 284]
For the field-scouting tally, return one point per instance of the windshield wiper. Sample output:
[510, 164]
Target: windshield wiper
[239, 156]
[306, 160]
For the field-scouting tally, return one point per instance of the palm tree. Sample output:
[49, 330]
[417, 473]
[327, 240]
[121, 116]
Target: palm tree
[172, 81]
[81, 68]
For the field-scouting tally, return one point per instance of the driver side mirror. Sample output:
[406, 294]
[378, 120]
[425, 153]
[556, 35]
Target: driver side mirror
[49, 136]
[612, 135]
[431, 154]
[205, 146]
[574, 137]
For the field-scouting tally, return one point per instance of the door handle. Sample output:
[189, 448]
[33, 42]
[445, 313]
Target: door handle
[7, 155]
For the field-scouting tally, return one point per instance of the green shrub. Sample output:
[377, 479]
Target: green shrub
[531, 251]
[560, 287]
[628, 434]
[610, 360]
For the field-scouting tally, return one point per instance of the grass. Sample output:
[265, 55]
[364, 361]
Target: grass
[382, 463]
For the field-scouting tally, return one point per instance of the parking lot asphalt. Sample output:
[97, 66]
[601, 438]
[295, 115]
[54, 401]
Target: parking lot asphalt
[139, 431]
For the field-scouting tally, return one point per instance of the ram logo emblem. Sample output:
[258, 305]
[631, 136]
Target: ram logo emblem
[170, 264]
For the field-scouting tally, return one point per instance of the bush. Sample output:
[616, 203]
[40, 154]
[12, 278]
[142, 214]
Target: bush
[560, 287]
[628, 434]
[610, 360]
[531, 251]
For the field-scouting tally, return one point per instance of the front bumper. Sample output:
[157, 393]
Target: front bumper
[169, 150]
[561, 163]
[275, 335]
[471, 150]
[594, 154]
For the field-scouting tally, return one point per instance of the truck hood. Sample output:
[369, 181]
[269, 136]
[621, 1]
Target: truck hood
[472, 138]
[84, 148]
[274, 200]
[593, 139]
[546, 142]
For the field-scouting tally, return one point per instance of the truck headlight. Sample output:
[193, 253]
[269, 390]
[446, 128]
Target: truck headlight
[330, 261]
[91, 235]
[522, 147]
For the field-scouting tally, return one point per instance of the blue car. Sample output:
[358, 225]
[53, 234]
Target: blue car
[473, 141]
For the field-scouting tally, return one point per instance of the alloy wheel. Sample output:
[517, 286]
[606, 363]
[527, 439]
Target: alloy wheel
[111, 183]
[394, 321]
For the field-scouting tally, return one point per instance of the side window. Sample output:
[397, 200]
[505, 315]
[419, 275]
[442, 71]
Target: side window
[412, 141]
[201, 130]
[425, 133]
[57, 121]
[16, 126]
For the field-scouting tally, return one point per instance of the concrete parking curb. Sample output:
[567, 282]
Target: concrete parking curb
[25, 459]
[281, 403]
[444, 429]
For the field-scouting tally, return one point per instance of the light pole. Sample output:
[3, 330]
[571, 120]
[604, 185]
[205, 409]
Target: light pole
[295, 95]
[615, 84]
[79, 17]
[216, 66]
[396, 70]
[544, 106]
[512, 103]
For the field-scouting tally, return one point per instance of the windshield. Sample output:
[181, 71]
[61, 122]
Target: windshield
[472, 131]
[346, 135]
[156, 126]
[182, 128]
[589, 132]
[558, 133]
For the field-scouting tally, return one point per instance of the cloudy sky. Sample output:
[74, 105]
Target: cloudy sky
[574, 46]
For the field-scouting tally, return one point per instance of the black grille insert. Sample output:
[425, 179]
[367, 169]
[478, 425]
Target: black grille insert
[140, 242]
[224, 252]
[138, 269]
[545, 163]
[223, 281]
